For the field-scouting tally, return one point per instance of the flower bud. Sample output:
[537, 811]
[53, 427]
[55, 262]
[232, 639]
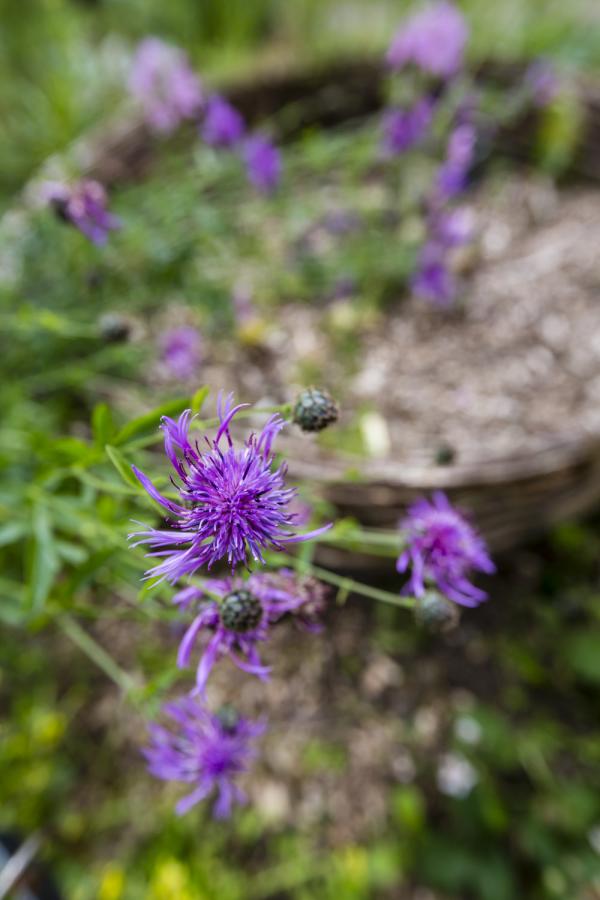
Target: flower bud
[315, 409]
[114, 328]
[436, 613]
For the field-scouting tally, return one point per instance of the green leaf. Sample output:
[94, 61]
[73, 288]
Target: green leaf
[43, 562]
[122, 465]
[11, 602]
[105, 485]
[150, 421]
[199, 398]
[103, 426]
[11, 532]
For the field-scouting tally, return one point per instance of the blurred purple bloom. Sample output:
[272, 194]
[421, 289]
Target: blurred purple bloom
[403, 128]
[164, 84]
[233, 503]
[453, 227]
[453, 173]
[433, 280]
[182, 352]
[223, 126]
[84, 206]
[264, 597]
[441, 550]
[263, 163]
[433, 39]
[542, 82]
[204, 751]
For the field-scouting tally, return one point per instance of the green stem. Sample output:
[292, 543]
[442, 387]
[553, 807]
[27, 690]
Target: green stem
[96, 653]
[350, 585]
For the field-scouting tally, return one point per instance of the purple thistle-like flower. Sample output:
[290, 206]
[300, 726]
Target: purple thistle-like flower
[441, 550]
[233, 503]
[204, 751]
[84, 206]
[433, 39]
[242, 617]
[263, 163]
[165, 85]
[404, 128]
[223, 126]
[542, 82]
[182, 352]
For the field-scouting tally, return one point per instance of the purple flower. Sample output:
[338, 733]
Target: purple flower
[263, 163]
[223, 126]
[452, 175]
[433, 280]
[433, 39]
[451, 228]
[84, 206]
[165, 85]
[182, 352]
[241, 617]
[204, 751]
[542, 82]
[233, 503]
[441, 550]
[403, 128]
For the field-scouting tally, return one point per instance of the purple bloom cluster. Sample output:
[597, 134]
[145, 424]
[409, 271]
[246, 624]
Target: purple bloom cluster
[182, 352]
[263, 163]
[433, 40]
[222, 126]
[269, 597]
[205, 751]
[233, 503]
[84, 206]
[442, 548]
[404, 128]
[447, 228]
[165, 85]
[169, 92]
[434, 280]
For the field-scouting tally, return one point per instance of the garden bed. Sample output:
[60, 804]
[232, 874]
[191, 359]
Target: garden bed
[494, 400]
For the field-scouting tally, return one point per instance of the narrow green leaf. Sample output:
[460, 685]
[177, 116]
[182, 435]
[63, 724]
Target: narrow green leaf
[72, 449]
[122, 465]
[105, 485]
[150, 421]
[43, 562]
[199, 398]
[11, 532]
[103, 426]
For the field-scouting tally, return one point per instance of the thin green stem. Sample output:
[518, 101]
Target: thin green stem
[349, 585]
[96, 653]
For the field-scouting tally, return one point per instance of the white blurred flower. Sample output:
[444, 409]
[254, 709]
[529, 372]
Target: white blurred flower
[456, 777]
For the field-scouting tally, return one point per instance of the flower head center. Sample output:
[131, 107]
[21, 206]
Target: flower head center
[241, 611]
